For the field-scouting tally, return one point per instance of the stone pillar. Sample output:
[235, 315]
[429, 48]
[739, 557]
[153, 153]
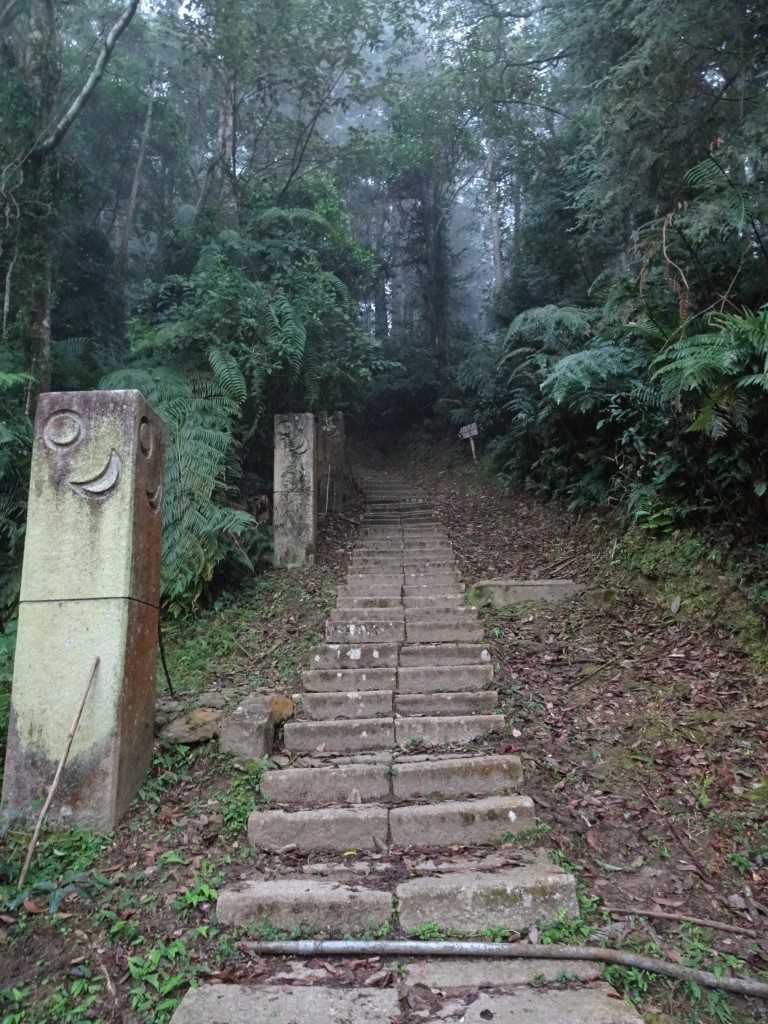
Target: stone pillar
[295, 512]
[331, 469]
[90, 588]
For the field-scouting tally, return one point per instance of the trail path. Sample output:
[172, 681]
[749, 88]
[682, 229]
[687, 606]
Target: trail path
[392, 816]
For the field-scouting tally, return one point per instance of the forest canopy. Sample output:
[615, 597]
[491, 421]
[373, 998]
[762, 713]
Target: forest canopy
[547, 217]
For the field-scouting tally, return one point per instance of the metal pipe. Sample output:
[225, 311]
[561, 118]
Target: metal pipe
[504, 950]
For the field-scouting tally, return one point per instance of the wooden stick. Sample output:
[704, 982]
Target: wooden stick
[57, 776]
[504, 950]
[704, 922]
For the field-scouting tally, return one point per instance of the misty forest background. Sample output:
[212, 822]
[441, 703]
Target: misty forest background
[549, 217]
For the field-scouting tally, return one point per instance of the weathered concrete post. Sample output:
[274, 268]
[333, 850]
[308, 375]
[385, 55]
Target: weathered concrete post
[90, 588]
[330, 464]
[295, 508]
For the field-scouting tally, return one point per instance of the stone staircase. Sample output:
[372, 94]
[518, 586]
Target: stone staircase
[393, 812]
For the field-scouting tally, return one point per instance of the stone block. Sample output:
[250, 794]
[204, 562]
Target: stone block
[340, 737]
[448, 974]
[295, 490]
[365, 631]
[440, 732]
[355, 656]
[458, 702]
[292, 903]
[245, 1004]
[249, 730]
[499, 593]
[466, 822]
[515, 898]
[347, 704]
[351, 612]
[597, 1004]
[330, 681]
[343, 784]
[413, 655]
[363, 827]
[453, 778]
[90, 589]
[443, 631]
[457, 612]
[444, 678]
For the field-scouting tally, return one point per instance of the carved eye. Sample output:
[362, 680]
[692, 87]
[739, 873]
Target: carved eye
[63, 429]
[146, 440]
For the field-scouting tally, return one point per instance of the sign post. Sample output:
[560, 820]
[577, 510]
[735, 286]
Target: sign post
[469, 433]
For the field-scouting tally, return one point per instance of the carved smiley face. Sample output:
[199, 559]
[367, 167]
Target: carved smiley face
[63, 433]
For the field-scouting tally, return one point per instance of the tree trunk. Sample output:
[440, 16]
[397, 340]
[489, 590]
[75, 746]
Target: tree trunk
[130, 213]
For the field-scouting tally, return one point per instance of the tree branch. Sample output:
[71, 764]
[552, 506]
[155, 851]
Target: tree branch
[8, 12]
[71, 115]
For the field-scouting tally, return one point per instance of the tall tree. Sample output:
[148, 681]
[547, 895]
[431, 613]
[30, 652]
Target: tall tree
[38, 112]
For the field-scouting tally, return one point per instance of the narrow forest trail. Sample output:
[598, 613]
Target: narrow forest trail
[399, 815]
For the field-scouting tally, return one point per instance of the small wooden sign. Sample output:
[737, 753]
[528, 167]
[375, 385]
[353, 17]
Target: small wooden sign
[469, 433]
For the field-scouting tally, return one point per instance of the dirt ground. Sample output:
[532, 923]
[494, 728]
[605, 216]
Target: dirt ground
[642, 726]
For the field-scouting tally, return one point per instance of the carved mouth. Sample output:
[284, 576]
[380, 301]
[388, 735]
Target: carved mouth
[103, 484]
[155, 497]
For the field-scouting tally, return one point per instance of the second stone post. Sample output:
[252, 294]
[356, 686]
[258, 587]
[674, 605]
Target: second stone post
[295, 499]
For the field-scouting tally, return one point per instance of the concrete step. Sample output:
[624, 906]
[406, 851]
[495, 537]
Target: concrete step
[306, 903]
[281, 1004]
[449, 974]
[362, 827]
[344, 705]
[341, 784]
[460, 822]
[447, 598]
[356, 656]
[437, 631]
[453, 778]
[429, 583]
[472, 822]
[351, 613]
[457, 612]
[366, 631]
[415, 584]
[514, 898]
[444, 678]
[533, 1004]
[330, 680]
[387, 605]
[350, 736]
[373, 586]
[457, 702]
[437, 732]
[371, 592]
[444, 654]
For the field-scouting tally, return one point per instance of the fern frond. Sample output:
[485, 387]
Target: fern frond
[227, 375]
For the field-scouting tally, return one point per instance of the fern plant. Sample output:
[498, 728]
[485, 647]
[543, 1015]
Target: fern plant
[202, 525]
[15, 454]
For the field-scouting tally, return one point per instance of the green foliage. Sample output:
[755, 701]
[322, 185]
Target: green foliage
[242, 796]
[15, 449]
[201, 525]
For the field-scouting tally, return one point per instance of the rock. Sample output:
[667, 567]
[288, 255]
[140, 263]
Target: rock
[249, 729]
[198, 726]
[213, 699]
